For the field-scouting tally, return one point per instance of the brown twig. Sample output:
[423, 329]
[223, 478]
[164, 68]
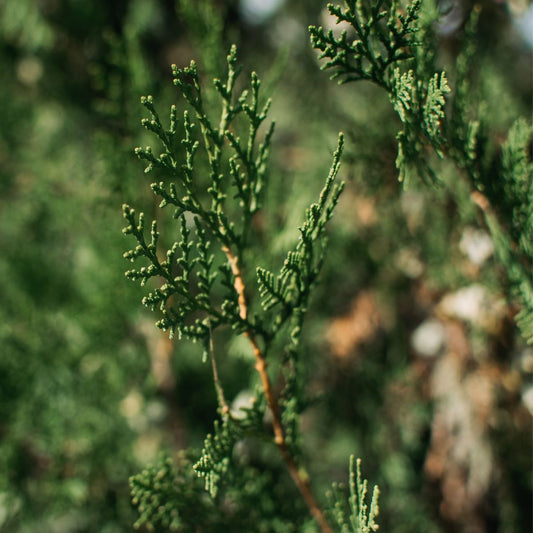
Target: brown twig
[481, 201]
[300, 478]
[220, 391]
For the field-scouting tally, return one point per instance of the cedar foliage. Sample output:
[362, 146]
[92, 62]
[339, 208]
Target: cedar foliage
[91, 392]
[406, 70]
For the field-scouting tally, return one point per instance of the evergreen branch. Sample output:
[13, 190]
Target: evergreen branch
[301, 481]
[383, 39]
[189, 302]
[214, 218]
[385, 44]
[215, 459]
[418, 95]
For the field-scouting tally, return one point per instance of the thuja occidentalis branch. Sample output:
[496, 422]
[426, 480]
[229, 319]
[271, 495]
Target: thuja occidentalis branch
[301, 481]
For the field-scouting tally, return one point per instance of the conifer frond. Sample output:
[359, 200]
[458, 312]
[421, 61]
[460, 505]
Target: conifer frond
[167, 497]
[186, 299]
[355, 515]
[384, 53]
[292, 286]
[216, 454]
[203, 275]
[418, 95]
[383, 38]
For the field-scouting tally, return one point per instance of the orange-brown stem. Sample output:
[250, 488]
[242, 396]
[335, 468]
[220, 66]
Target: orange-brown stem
[301, 481]
[481, 201]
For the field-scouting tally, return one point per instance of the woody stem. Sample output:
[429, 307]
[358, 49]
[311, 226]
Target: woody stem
[300, 478]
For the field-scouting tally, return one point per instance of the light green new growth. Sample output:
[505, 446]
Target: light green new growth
[361, 518]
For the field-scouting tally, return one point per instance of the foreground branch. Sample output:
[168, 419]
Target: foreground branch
[300, 479]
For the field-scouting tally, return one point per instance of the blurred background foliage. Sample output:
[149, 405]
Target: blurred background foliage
[411, 351]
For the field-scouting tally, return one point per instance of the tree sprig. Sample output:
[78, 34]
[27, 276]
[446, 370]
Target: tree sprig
[203, 272]
[386, 52]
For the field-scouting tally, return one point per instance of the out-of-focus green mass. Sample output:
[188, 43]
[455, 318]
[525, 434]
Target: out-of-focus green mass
[414, 352]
